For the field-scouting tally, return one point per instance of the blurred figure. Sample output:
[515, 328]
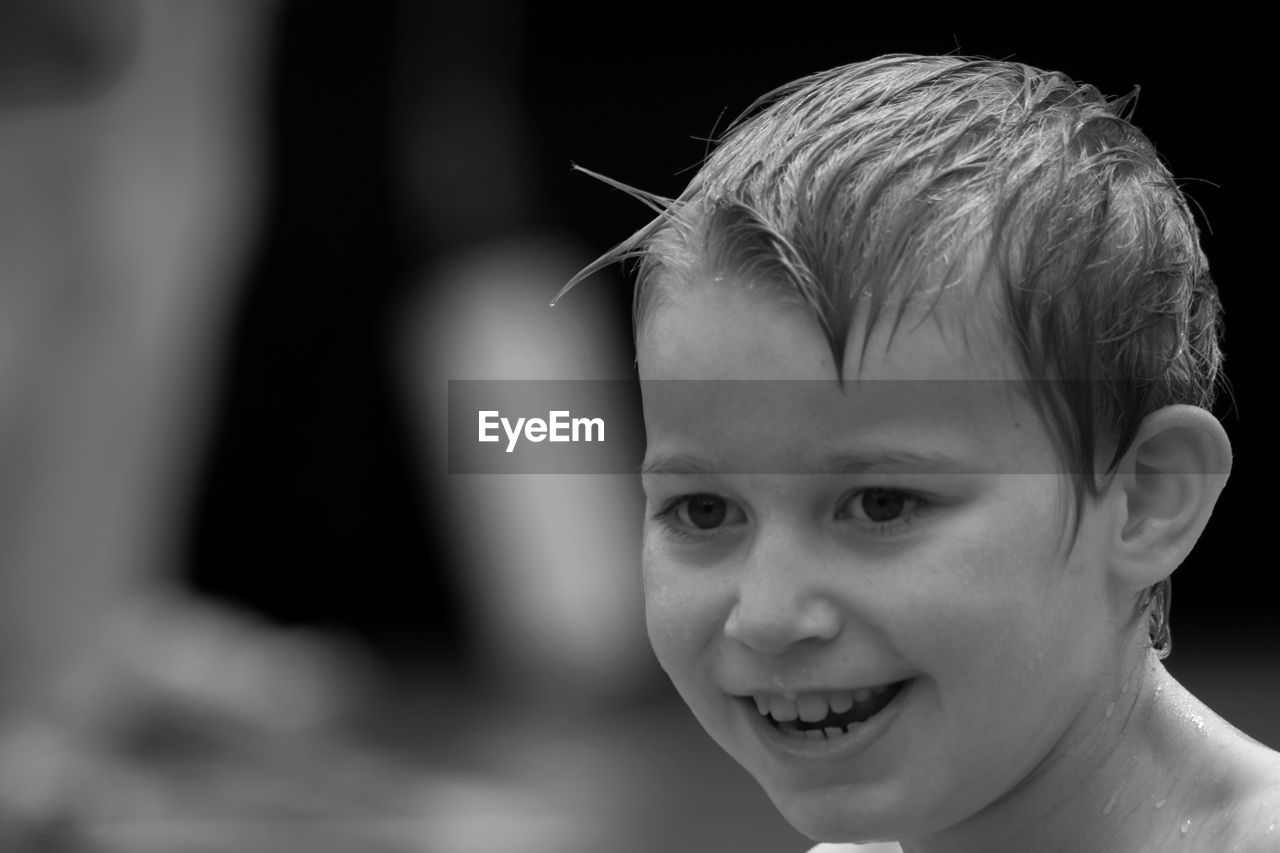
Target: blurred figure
[129, 176]
[548, 563]
[134, 717]
[545, 566]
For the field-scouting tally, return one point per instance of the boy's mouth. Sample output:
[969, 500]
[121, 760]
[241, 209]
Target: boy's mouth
[819, 716]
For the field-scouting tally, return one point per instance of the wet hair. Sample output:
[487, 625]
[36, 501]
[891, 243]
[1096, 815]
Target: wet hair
[870, 187]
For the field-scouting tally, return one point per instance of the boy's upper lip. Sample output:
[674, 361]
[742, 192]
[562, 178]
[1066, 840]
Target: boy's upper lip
[743, 675]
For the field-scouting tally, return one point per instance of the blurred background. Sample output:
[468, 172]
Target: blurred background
[244, 245]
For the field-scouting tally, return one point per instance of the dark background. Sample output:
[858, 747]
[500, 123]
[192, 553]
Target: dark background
[309, 508]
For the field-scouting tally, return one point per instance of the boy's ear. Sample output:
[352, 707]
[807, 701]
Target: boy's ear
[1170, 480]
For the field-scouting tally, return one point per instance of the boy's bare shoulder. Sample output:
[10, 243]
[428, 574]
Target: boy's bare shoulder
[1254, 824]
[1258, 824]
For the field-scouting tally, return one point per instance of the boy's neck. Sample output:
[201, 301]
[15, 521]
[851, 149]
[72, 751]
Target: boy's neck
[1146, 767]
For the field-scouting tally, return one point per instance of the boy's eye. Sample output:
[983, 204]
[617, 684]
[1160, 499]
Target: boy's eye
[700, 513]
[881, 505]
[705, 512]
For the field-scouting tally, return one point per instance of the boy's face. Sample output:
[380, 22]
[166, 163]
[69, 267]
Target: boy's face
[815, 549]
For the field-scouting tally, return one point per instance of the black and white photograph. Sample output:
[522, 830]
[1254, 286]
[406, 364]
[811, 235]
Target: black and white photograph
[443, 427]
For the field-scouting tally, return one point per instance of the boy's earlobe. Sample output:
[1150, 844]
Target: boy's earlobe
[1171, 478]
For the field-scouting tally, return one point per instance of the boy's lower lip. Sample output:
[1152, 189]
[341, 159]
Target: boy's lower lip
[860, 736]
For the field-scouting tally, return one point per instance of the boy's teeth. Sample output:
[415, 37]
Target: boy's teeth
[812, 708]
[818, 708]
[783, 710]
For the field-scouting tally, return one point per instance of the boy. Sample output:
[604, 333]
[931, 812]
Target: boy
[927, 350]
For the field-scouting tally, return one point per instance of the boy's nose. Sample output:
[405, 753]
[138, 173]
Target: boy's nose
[779, 607]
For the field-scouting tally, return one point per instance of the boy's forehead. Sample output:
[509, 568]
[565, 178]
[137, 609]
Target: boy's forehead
[716, 331]
[741, 376]
[732, 329]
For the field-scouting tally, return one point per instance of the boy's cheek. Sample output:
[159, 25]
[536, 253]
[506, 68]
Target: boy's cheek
[673, 645]
[671, 612]
[655, 573]
[682, 614]
[660, 595]
[980, 600]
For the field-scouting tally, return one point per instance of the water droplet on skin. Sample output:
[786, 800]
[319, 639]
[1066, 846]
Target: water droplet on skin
[1186, 826]
[1111, 804]
[1160, 803]
[1111, 708]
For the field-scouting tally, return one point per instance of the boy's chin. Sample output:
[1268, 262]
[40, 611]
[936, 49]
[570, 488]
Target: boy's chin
[826, 816]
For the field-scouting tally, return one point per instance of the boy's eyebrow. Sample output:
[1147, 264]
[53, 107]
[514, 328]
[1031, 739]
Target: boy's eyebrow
[677, 465]
[845, 463]
[861, 463]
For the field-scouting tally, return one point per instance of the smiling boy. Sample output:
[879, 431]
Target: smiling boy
[927, 350]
